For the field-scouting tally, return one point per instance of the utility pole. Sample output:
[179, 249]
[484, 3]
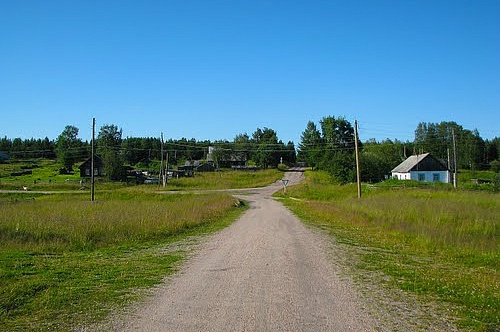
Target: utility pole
[449, 160]
[92, 179]
[455, 180]
[161, 162]
[358, 172]
[166, 171]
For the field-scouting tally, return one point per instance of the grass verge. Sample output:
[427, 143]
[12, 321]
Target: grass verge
[436, 243]
[226, 179]
[66, 262]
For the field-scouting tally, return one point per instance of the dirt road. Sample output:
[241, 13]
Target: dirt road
[266, 272]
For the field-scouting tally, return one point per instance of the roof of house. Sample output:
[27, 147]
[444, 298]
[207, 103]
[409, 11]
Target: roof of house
[420, 162]
[97, 160]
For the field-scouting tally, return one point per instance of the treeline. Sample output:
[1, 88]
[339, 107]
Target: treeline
[331, 148]
[473, 152]
[28, 148]
[263, 148]
[328, 146]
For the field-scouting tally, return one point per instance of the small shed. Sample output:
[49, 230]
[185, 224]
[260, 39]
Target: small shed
[85, 167]
[3, 157]
[422, 167]
[197, 166]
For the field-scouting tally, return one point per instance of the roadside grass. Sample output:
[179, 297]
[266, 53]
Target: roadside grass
[439, 243]
[66, 262]
[226, 179]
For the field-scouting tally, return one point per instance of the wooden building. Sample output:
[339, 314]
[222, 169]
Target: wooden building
[85, 167]
[422, 167]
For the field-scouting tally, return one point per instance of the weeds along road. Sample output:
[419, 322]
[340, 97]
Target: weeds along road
[266, 272]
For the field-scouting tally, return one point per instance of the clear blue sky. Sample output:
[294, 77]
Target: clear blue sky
[212, 69]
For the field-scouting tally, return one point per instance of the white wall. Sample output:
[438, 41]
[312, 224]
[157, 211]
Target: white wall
[401, 176]
[444, 176]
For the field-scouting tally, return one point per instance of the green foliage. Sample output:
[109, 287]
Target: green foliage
[432, 241]
[266, 141]
[340, 165]
[495, 166]
[437, 138]
[67, 147]
[373, 168]
[109, 141]
[337, 133]
[310, 145]
[378, 159]
[333, 150]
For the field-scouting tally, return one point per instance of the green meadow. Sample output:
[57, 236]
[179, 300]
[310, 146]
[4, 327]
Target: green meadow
[438, 243]
[226, 179]
[45, 177]
[67, 262]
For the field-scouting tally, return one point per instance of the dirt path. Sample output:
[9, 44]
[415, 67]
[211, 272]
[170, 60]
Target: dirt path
[266, 272]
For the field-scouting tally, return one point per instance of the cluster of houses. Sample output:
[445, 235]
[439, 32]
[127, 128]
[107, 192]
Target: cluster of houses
[422, 167]
[234, 161]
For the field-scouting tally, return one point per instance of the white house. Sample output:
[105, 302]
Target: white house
[422, 167]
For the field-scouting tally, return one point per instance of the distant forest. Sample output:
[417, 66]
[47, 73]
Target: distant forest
[328, 145]
[263, 148]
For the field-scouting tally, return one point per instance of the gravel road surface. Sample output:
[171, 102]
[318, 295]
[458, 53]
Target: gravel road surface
[266, 272]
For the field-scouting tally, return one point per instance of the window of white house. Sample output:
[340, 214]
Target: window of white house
[435, 177]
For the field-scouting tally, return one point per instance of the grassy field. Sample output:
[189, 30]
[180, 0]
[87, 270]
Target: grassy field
[438, 243]
[41, 174]
[66, 262]
[227, 179]
[45, 177]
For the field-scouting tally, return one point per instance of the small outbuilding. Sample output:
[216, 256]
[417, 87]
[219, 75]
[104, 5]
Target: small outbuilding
[85, 167]
[3, 157]
[423, 168]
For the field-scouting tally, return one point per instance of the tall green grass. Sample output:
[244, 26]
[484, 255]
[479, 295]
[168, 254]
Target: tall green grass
[436, 242]
[70, 222]
[226, 179]
[66, 262]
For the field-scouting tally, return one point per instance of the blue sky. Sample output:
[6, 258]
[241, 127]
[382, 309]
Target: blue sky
[213, 69]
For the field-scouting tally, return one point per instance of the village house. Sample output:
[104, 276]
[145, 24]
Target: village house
[423, 168]
[231, 160]
[196, 166]
[85, 167]
[3, 157]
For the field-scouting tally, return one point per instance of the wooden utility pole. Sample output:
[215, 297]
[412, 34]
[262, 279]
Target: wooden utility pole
[455, 180]
[166, 171]
[92, 177]
[358, 172]
[449, 161]
[161, 179]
